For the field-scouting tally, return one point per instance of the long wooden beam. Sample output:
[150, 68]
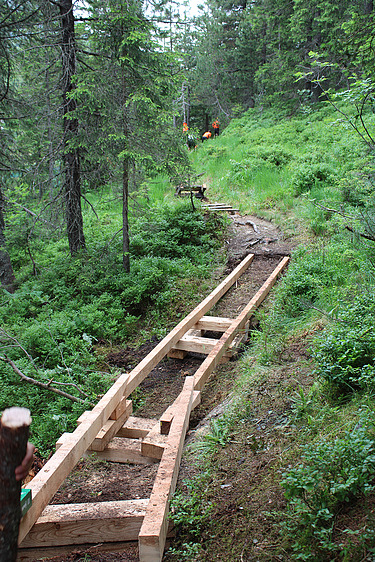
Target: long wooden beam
[154, 528]
[213, 359]
[49, 479]
[137, 375]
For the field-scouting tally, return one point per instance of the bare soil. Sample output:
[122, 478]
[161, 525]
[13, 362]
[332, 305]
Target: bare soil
[255, 448]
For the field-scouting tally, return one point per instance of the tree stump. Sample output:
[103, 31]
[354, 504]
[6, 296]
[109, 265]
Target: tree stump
[14, 434]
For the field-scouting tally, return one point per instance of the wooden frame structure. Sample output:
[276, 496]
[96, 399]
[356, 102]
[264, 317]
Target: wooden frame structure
[116, 435]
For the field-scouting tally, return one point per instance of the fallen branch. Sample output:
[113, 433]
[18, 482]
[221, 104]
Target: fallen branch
[350, 228]
[45, 386]
[361, 234]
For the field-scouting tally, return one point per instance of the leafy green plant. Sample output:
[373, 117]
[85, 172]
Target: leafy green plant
[217, 436]
[345, 355]
[332, 473]
[190, 512]
[307, 176]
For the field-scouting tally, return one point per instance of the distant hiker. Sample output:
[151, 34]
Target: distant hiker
[215, 126]
[206, 136]
[191, 142]
[185, 127]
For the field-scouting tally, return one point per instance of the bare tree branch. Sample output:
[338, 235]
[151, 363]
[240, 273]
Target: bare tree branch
[45, 386]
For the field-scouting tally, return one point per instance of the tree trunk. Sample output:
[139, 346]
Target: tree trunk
[7, 278]
[125, 221]
[71, 159]
[14, 433]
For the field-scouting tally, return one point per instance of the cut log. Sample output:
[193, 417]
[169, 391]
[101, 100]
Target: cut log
[14, 433]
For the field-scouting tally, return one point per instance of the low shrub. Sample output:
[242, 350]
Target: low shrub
[306, 176]
[332, 474]
[345, 353]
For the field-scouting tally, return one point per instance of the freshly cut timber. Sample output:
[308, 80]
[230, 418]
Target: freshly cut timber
[118, 436]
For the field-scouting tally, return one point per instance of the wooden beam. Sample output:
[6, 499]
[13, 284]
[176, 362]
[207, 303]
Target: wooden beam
[124, 450]
[110, 428]
[153, 533]
[199, 344]
[162, 427]
[136, 428]
[139, 373]
[213, 323]
[49, 479]
[213, 359]
[46, 483]
[82, 523]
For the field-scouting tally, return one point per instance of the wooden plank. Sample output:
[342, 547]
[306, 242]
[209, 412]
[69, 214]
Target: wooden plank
[213, 359]
[49, 479]
[139, 373]
[198, 344]
[213, 323]
[87, 523]
[136, 428]
[36, 554]
[164, 424]
[124, 450]
[153, 532]
[154, 444]
[110, 428]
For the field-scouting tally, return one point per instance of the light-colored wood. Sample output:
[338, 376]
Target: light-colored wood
[150, 444]
[124, 450]
[136, 428]
[198, 344]
[83, 523]
[110, 428]
[120, 409]
[153, 532]
[33, 554]
[154, 444]
[139, 373]
[49, 479]
[165, 422]
[46, 483]
[213, 359]
[213, 323]
[176, 354]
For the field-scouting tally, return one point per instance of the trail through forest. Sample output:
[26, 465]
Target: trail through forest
[96, 481]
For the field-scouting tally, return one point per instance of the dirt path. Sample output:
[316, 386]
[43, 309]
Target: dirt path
[95, 481]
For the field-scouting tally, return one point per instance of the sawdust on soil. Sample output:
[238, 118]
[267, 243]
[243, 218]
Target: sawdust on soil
[246, 458]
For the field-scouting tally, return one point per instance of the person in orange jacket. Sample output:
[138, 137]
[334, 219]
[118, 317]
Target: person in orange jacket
[206, 136]
[215, 126]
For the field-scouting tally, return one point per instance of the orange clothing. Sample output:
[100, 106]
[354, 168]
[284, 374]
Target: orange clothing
[216, 124]
[185, 127]
[207, 135]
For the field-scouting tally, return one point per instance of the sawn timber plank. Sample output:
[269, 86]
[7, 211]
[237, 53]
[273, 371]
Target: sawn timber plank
[87, 523]
[153, 533]
[213, 359]
[49, 479]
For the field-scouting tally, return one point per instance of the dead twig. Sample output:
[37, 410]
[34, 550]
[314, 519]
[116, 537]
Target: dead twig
[45, 386]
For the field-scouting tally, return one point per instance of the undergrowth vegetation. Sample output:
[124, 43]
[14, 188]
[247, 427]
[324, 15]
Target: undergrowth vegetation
[54, 326]
[312, 175]
[315, 178]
